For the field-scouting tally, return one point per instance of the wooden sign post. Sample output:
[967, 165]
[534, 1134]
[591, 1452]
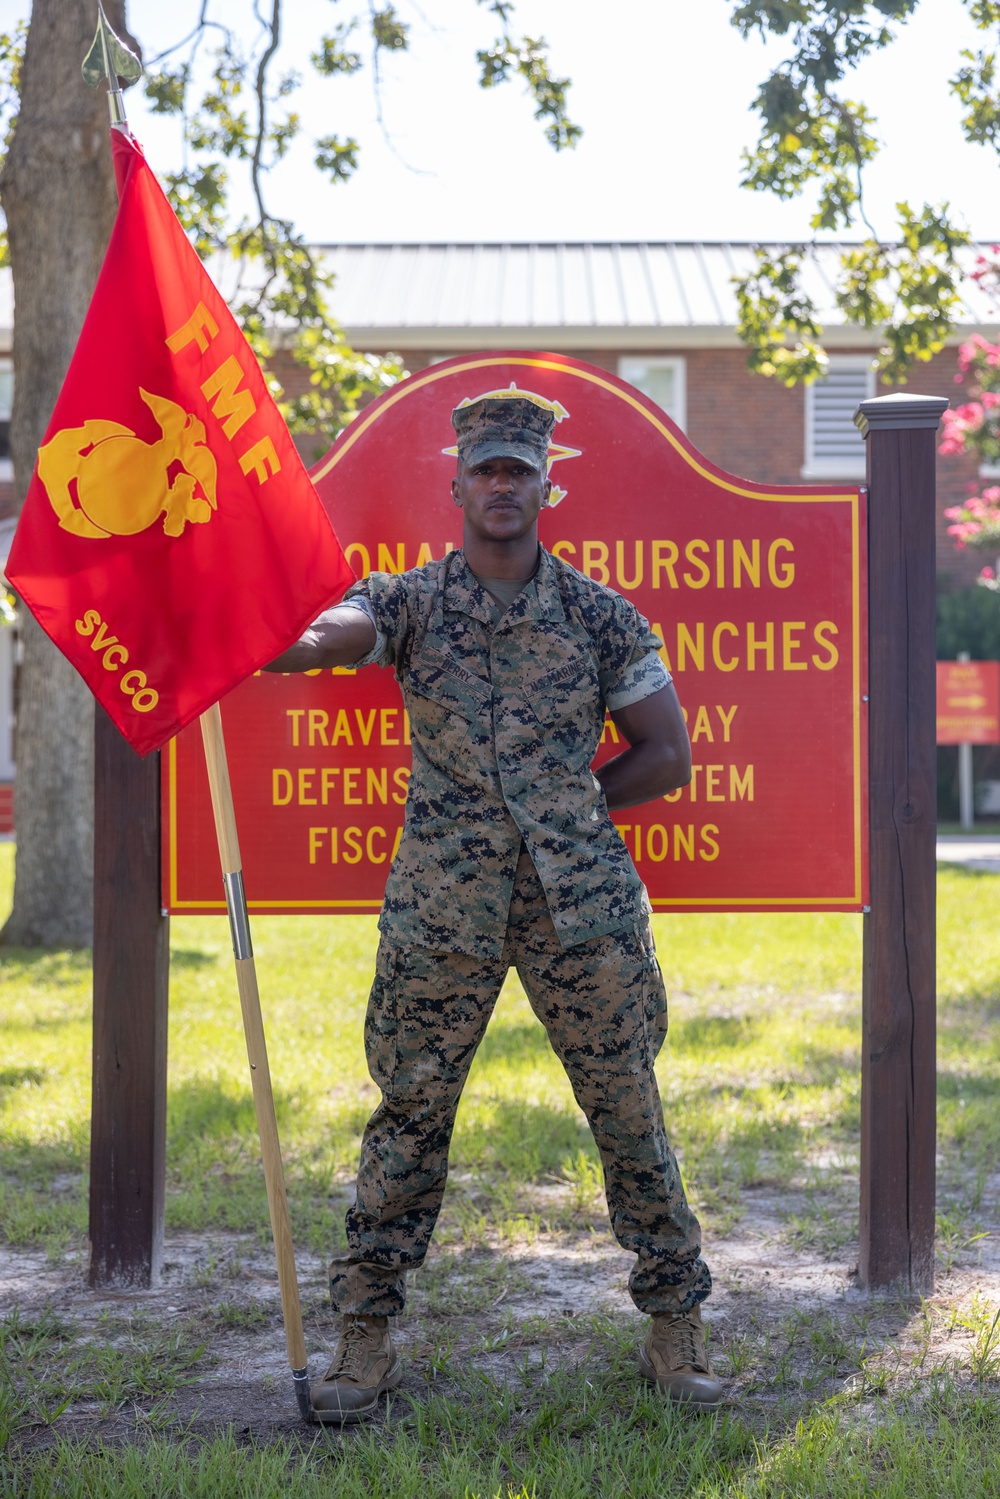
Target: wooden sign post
[898, 1112]
[131, 969]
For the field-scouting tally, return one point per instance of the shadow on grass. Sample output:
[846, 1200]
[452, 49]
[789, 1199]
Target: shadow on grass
[965, 1015]
[16, 1077]
[189, 957]
[968, 1085]
[44, 966]
[43, 1194]
[201, 1110]
[215, 1179]
[514, 1043]
[519, 1138]
[38, 1164]
[969, 1121]
[715, 1032]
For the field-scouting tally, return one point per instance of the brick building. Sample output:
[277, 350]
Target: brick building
[662, 316]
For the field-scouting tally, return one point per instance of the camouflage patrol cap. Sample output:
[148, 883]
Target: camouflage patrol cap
[504, 426]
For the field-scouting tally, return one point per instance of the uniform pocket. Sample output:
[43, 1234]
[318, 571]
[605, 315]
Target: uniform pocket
[442, 703]
[654, 994]
[572, 693]
[381, 1019]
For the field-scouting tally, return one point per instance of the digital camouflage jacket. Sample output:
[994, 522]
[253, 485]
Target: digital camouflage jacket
[505, 719]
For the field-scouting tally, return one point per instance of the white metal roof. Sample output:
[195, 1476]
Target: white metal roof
[671, 294]
[678, 293]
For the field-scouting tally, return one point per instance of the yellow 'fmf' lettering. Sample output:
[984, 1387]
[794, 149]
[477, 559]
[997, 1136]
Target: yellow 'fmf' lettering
[261, 460]
[233, 407]
[199, 329]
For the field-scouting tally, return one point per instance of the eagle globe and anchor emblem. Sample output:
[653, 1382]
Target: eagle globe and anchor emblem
[103, 480]
[512, 392]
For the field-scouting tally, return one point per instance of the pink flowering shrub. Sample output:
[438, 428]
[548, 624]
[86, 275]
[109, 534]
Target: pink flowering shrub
[977, 521]
[974, 427]
[987, 274]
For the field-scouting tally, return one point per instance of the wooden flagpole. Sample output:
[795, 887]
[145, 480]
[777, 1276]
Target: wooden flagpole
[108, 58]
[253, 1025]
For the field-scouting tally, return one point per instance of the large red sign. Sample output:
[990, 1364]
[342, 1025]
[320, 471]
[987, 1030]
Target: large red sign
[968, 702]
[757, 593]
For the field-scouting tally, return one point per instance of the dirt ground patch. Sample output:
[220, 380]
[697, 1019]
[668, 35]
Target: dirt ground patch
[789, 1322]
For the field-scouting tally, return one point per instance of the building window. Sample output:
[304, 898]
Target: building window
[835, 448]
[661, 379]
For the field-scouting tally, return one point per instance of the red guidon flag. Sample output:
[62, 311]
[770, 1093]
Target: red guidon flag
[171, 541]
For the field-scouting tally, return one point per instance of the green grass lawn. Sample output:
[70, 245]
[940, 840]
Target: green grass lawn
[761, 1087]
[750, 1082]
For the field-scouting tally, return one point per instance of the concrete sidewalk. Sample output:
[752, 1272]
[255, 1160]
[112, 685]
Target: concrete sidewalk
[974, 852]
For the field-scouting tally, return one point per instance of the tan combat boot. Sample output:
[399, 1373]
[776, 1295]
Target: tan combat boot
[364, 1367]
[675, 1359]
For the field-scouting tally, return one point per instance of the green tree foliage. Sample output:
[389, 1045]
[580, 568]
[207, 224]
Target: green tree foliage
[968, 620]
[815, 138]
[245, 120]
[527, 58]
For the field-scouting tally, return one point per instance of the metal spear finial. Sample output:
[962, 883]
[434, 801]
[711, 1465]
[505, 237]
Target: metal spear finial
[110, 58]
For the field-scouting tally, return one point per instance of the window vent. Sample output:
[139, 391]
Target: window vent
[834, 447]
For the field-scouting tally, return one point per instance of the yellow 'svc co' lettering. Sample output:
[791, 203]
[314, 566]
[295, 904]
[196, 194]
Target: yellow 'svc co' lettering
[114, 655]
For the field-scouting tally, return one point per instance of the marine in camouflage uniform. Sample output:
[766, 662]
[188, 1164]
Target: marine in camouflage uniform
[509, 858]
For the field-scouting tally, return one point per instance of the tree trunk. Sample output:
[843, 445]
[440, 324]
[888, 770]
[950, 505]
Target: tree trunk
[58, 193]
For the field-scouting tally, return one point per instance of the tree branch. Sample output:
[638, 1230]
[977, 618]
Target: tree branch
[261, 92]
[195, 34]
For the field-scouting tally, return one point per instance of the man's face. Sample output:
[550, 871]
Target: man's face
[501, 497]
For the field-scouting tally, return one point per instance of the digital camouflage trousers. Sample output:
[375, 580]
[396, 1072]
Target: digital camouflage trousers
[603, 1005]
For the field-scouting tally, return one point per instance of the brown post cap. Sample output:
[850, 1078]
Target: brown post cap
[899, 412]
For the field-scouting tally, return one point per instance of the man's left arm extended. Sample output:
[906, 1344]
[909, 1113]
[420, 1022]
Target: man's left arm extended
[658, 758]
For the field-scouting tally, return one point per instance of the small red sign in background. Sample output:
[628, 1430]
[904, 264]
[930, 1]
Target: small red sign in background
[968, 702]
[757, 593]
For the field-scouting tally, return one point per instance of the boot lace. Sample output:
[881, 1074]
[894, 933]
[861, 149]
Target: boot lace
[349, 1359]
[681, 1340]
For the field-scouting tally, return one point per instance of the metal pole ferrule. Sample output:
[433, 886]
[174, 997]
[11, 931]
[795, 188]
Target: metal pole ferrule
[239, 921]
[300, 1378]
[116, 107]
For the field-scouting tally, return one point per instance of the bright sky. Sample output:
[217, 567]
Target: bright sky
[662, 89]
